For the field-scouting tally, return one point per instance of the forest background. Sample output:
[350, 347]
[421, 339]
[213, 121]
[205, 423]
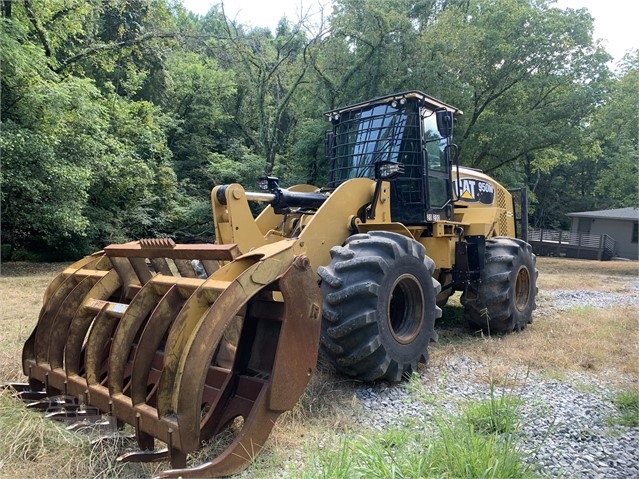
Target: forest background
[119, 116]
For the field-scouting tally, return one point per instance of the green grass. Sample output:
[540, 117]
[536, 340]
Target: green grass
[333, 463]
[496, 415]
[464, 452]
[419, 391]
[627, 403]
[479, 442]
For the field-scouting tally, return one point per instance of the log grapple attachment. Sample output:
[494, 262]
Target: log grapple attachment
[179, 341]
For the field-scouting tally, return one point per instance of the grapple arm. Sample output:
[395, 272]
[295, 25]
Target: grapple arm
[138, 334]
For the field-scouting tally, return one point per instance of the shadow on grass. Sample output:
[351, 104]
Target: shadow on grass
[452, 327]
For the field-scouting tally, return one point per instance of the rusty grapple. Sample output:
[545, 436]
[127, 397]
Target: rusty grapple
[179, 341]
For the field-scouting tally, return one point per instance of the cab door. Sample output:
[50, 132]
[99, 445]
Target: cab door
[437, 170]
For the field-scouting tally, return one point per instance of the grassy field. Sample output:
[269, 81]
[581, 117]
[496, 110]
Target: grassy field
[596, 341]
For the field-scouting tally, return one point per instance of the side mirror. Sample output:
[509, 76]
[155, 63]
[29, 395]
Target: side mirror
[445, 121]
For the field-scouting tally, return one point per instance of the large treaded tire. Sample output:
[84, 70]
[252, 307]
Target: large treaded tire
[379, 306]
[504, 299]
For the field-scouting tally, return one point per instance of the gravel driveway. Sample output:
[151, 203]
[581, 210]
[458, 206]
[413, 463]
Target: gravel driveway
[565, 425]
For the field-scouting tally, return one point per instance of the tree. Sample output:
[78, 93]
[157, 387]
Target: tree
[367, 51]
[269, 72]
[47, 137]
[80, 166]
[522, 100]
[197, 90]
[602, 172]
[618, 124]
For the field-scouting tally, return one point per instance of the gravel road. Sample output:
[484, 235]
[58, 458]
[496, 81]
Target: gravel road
[567, 299]
[565, 425]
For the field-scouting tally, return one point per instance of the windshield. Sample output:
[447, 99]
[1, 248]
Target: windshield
[377, 133]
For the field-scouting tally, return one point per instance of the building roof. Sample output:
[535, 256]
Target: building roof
[630, 214]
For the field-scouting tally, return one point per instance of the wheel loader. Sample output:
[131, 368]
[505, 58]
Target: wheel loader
[183, 341]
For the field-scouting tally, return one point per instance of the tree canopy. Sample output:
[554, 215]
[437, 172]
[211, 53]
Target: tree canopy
[119, 116]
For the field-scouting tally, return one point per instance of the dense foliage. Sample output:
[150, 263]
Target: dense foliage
[119, 116]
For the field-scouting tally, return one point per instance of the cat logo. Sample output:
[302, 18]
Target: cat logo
[472, 190]
[467, 195]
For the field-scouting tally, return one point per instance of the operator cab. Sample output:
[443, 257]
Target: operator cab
[411, 129]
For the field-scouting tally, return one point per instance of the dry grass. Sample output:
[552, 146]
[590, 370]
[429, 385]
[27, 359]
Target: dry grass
[553, 266]
[22, 287]
[590, 340]
[600, 341]
[573, 274]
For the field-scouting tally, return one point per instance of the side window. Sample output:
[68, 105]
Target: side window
[434, 145]
[635, 233]
[438, 175]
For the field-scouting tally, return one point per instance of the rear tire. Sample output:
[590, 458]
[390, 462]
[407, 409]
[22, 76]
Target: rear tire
[504, 299]
[379, 306]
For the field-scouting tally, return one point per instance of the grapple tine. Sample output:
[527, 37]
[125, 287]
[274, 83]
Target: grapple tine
[53, 326]
[52, 402]
[159, 323]
[84, 318]
[196, 307]
[160, 304]
[273, 353]
[93, 262]
[70, 415]
[161, 265]
[50, 340]
[50, 311]
[185, 267]
[103, 426]
[210, 266]
[123, 340]
[145, 456]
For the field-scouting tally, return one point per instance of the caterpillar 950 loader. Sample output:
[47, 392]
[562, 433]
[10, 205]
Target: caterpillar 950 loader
[181, 340]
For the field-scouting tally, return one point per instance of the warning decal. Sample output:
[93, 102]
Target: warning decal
[472, 190]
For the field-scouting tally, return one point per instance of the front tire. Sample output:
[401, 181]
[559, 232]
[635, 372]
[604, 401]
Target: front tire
[504, 299]
[379, 306]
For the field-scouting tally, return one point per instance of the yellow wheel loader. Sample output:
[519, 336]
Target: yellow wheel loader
[183, 341]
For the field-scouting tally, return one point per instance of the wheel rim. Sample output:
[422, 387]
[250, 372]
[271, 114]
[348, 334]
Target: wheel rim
[522, 289]
[405, 313]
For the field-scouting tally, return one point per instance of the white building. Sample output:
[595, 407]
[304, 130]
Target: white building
[620, 224]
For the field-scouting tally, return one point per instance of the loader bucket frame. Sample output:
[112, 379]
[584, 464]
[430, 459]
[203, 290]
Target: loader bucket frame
[135, 332]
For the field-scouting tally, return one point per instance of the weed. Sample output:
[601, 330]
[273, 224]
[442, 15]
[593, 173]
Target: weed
[463, 452]
[627, 403]
[334, 463]
[476, 443]
[419, 391]
[495, 415]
